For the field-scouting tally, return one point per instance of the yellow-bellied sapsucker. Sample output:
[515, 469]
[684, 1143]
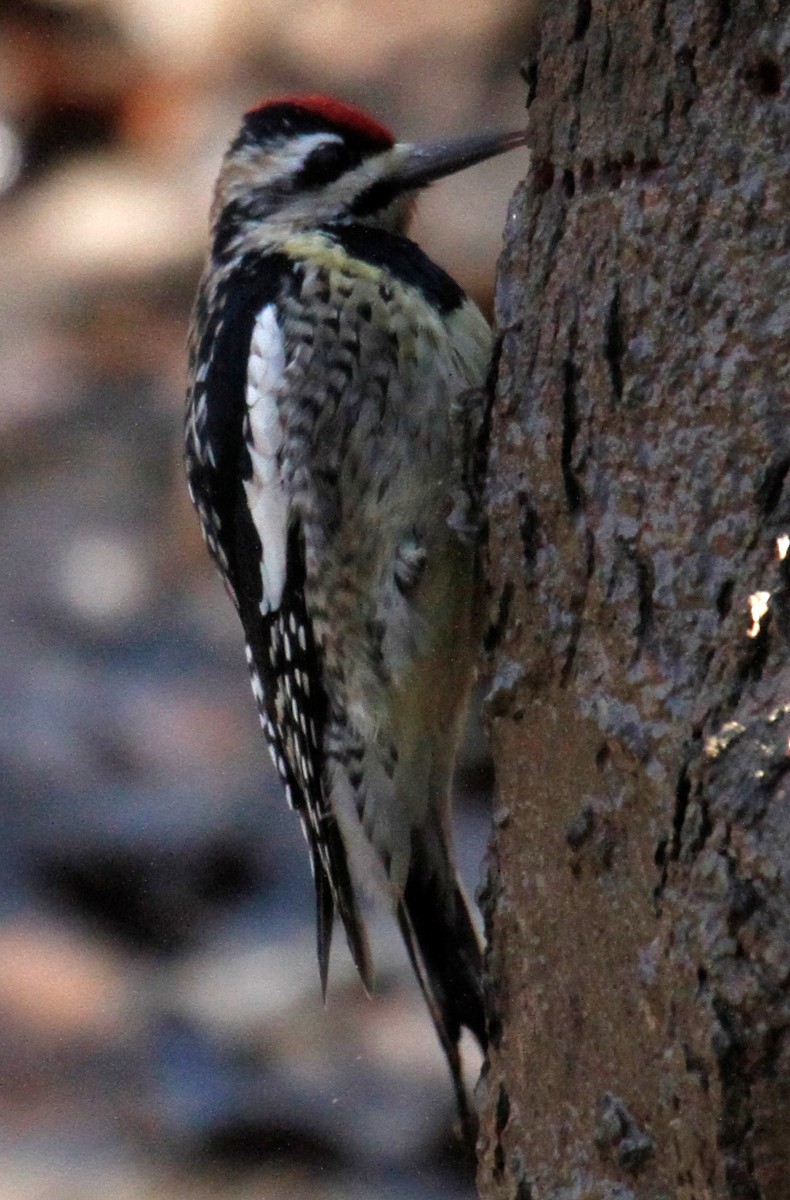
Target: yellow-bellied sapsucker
[333, 369]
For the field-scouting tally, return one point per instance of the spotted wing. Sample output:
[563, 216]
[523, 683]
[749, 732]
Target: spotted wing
[234, 436]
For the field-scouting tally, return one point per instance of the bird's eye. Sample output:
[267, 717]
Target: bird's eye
[322, 165]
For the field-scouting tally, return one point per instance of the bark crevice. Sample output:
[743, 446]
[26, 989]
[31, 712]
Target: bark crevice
[638, 896]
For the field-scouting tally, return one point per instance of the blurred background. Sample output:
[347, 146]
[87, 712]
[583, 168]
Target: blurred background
[161, 1028]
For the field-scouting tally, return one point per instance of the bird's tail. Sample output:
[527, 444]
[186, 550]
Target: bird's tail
[446, 957]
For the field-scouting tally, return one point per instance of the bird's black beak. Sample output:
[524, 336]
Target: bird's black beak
[415, 166]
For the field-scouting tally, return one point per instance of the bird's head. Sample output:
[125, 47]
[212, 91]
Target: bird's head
[309, 161]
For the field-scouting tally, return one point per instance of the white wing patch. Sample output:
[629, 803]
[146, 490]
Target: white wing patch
[265, 493]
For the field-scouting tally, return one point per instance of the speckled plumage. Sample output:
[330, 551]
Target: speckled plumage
[336, 385]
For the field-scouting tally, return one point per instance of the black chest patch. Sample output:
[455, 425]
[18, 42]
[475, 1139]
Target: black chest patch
[403, 259]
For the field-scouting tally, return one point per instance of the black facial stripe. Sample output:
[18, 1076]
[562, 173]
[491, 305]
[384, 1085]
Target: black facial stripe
[281, 122]
[375, 198]
[327, 163]
[233, 217]
[402, 259]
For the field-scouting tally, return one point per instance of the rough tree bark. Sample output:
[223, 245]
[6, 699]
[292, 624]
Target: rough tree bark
[638, 898]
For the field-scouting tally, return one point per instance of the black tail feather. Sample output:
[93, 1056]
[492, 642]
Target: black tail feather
[325, 917]
[334, 892]
[446, 957]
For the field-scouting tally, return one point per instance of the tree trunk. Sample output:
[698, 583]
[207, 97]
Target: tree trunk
[638, 900]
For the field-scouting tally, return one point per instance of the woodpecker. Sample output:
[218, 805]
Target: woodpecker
[334, 402]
